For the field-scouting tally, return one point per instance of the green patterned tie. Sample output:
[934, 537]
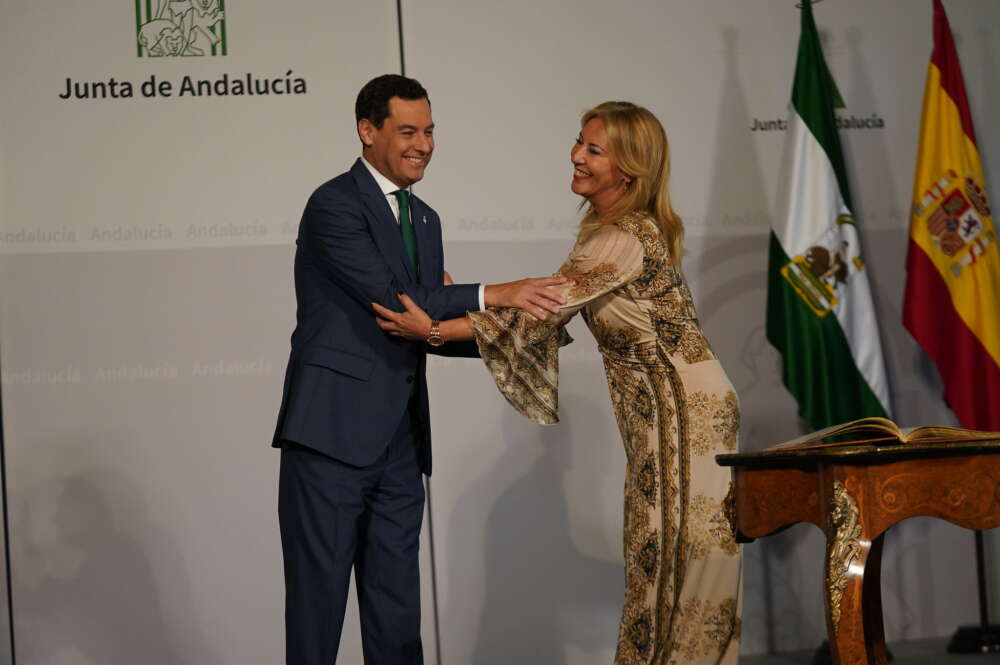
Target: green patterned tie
[406, 227]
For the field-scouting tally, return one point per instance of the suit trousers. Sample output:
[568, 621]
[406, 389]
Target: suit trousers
[334, 517]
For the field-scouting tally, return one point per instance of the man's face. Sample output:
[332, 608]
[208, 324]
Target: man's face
[402, 148]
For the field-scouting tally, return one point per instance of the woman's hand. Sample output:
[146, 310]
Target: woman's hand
[411, 324]
[535, 295]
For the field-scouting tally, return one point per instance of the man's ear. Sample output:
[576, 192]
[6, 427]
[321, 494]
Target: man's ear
[366, 131]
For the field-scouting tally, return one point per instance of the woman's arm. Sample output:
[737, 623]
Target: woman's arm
[522, 354]
[457, 330]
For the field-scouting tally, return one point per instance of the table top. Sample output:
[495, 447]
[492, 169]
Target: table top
[866, 453]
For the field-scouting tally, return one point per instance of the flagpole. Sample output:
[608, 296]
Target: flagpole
[819, 417]
[830, 321]
[984, 610]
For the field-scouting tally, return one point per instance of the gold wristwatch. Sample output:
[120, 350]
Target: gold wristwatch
[434, 337]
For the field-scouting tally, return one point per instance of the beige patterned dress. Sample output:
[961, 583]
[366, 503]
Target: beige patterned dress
[676, 410]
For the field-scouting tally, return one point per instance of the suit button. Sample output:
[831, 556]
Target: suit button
[409, 379]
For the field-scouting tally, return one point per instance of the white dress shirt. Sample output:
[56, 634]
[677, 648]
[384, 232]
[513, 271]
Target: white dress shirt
[388, 187]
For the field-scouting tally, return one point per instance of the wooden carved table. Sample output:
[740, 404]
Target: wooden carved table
[854, 494]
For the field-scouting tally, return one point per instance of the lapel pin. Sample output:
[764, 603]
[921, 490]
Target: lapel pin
[425, 219]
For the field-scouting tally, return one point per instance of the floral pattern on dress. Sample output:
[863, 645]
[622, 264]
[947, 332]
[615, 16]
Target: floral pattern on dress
[703, 626]
[589, 282]
[682, 337]
[716, 421]
[710, 528]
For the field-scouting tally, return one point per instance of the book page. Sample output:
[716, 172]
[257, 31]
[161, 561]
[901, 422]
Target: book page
[872, 425]
[940, 432]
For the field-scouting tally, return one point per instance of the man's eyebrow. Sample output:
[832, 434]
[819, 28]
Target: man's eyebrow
[407, 128]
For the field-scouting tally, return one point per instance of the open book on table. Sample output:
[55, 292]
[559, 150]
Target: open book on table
[883, 431]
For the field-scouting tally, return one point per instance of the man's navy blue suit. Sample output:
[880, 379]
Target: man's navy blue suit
[354, 425]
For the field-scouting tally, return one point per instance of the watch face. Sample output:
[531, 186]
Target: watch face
[434, 338]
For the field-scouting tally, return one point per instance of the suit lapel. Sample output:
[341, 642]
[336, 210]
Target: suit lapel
[385, 230]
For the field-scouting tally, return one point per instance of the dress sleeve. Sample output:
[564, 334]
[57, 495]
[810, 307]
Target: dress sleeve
[522, 353]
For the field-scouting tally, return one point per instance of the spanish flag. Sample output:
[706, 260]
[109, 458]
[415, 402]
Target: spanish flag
[952, 301]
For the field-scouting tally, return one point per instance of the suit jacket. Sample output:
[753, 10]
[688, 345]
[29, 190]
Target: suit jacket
[348, 383]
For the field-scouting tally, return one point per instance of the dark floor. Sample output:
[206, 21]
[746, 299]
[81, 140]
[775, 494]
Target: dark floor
[918, 652]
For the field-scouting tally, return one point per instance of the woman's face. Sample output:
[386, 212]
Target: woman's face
[596, 176]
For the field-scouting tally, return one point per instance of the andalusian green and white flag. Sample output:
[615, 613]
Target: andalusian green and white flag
[819, 305]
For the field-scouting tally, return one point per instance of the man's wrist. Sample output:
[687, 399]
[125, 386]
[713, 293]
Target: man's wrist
[490, 296]
[434, 337]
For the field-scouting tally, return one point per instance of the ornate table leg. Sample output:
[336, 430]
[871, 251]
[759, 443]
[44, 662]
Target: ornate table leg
[871, 604]
[856, 636]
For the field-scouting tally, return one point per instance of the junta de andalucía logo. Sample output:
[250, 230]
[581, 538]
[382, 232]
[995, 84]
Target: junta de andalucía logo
[176, 28]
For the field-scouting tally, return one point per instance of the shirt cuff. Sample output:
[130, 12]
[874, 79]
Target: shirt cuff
[482, 297]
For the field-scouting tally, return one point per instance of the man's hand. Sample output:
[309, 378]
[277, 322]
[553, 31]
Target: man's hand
[533, 295]
[448, 281]
[412, 324]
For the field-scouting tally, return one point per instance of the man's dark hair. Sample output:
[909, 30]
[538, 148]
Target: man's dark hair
[373, 100]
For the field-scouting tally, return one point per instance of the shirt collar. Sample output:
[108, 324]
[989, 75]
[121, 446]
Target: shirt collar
[387, 186]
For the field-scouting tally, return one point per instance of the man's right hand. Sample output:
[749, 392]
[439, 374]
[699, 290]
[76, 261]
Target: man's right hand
[534, 295]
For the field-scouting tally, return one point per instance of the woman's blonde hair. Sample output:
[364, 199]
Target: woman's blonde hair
[639, 147]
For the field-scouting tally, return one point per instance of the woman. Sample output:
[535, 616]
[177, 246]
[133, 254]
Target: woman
[675, 407]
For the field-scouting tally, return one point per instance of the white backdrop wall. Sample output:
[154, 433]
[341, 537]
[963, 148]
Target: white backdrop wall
[523, 514]
[146, 309]
[146, 302]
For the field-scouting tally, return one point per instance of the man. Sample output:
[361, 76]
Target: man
[354, 427]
